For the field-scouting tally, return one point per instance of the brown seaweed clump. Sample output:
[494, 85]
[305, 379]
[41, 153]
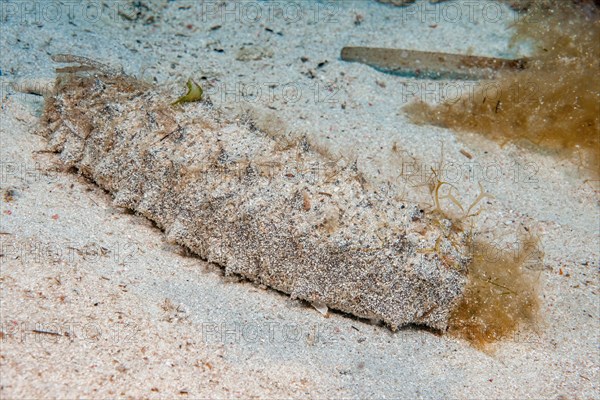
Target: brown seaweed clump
[501, 299]
[553, 104]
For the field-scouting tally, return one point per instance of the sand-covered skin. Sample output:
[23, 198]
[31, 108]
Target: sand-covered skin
[175, 355]
[274, 211]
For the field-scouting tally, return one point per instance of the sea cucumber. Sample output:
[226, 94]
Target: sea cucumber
[286, 216]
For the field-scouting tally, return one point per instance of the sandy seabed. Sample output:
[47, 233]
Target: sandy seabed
[95, 303]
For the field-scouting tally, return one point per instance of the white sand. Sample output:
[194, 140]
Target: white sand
[145, 320]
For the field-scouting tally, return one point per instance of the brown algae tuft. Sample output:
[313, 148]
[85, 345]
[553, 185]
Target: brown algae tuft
[553, 104]
[501, 298]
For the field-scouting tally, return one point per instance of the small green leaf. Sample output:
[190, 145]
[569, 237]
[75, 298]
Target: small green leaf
[194, 93]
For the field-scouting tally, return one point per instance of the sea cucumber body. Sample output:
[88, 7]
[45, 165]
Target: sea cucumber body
[288, 217]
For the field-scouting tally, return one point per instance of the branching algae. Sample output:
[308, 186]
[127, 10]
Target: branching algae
[501, 299]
